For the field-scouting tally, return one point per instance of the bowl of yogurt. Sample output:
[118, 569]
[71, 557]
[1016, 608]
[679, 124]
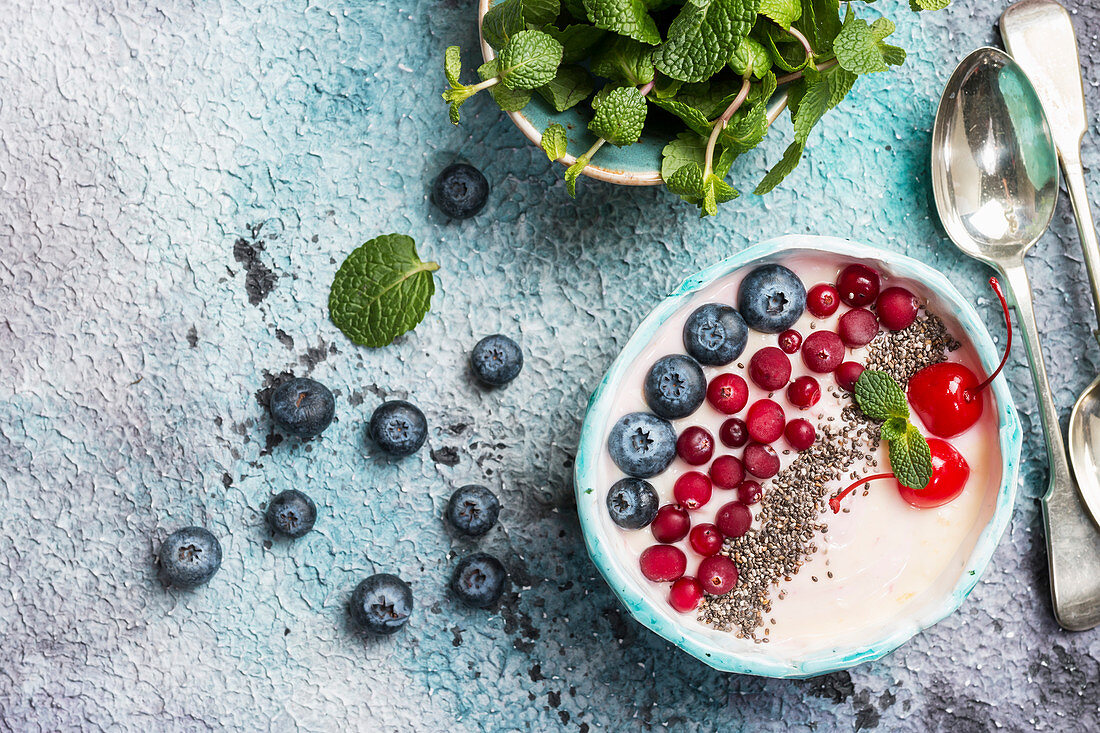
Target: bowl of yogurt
[744, 505]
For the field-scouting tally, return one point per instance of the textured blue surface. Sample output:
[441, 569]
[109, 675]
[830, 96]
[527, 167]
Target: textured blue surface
[178, 183]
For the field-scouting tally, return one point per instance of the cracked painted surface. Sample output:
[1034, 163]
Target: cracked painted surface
[178, 182]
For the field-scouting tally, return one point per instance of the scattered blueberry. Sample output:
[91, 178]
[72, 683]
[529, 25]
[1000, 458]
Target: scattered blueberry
[460, 191]
[675, 386]
[632, 503]
[398, 428]
[473, 510]
[381, 604]
[771, 298]
[291, 513]
[496, 360]
[715, 334]
[302, 407]
[642, 444]
[479, 580]
[189, 557]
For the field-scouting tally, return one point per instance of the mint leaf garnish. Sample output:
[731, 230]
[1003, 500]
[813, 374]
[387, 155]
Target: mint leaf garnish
[554, 141]
[691, 117]
[880, 397]
[452, 65]
[704, 36]
[628, 18]
[894, 428]
[381, 291]
[745, 133]
[820, 23]
[751, 58]
[918, 5]
[576, 40]
[568, 88]
[860, 49]
[620, 116]
[783, 12]
[911, 459]
[509, 100]
[529, 60]
[625, 61]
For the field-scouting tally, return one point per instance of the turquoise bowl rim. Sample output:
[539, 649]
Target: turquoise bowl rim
[642, 608]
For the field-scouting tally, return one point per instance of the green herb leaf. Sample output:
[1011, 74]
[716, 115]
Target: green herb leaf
[570, 87]
[918, 5]
[911, 459]
[703, 36]
[554, 141]
[509, 100]
[751, 54]
[894, 428]
[880, 397]
[576, 41]
[791, 156]
[625, 61]
[529, 60]
[628, 18]
[859, 47]
[665, 87]
[620, 116]
[783, 12]
[820, 23]
[687, 182]
[692, 117]
[709, 97]
[745, 132]
[381, 291]
[452, 65]
[785, 50]
[686, 148]
[507, 18]
[573, 172]
[762, 91]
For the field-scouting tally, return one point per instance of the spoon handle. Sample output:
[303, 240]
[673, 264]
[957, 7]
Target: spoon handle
[1086, 229]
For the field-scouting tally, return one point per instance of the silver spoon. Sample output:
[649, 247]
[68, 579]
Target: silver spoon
[995, 182]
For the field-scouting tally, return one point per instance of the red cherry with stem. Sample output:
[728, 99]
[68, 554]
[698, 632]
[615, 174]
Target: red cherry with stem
[695, 445]
[706, 539]
[947, 396]
[662, 563]
[685, 595]
[949, 474]
[692, 490]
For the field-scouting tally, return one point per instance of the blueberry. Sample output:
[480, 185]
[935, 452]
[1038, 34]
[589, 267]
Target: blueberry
[398, 428]
[675, 386]
[496, 360]
[302, 407]
[715, 334]
[479, 580]
[771, 298]
[381, 604]
[642, 444]
[189, 557]
[632, 503]
[473, 510]
[291, 513]
[460, 191]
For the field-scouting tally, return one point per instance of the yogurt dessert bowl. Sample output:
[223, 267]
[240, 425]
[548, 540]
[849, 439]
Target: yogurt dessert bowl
[799, 459]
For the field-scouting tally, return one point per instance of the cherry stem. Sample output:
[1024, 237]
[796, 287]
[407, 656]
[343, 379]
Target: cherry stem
[971, 394]
[834, 503]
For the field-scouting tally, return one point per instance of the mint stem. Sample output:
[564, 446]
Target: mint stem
[798, 74]
[804, 41]
[721, 122]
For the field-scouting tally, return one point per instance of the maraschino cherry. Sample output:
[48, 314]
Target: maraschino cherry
[947, 396]
[949, 474]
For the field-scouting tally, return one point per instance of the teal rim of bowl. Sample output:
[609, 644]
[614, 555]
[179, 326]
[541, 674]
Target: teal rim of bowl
[642, 607]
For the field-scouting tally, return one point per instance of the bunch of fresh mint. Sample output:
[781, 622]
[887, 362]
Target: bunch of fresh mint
[881, 398]
[714, 64]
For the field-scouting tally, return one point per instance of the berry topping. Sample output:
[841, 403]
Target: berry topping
[822, 351]
[749, 492]
[695, 445]
[642, 444]
[726, 472]
[789, 341]
[632, 503]
[302, 407]
[800, 434]
[381, 604]
[733, 433]
[858, 285]
[771, 298]
[291, 514]
[769, 368]
[858, 327]
[847, 374]
[897, 308]
[496, 360]
[761, 460]
[685, 595]
[804, 392]
[675, 386]
[717, 575]
[728, 393]
[733, 519]
[715, 334]
[479, 580]
[662, 563]
[822, 300]
[671, 524]
[765, 421]
[473, 509]
[692, 490]
[949, 474]
[189, 557]
[398, 428]
[706, 539]
[460, 191]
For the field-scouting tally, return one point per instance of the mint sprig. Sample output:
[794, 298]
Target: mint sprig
[881, 398]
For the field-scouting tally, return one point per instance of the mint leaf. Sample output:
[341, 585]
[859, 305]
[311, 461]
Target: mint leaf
[625, 61]
[691, 117]
[665, 87]
[763, 90]
[686, 148]
[529, 60]
[509, 17]
[571, 86]
[820, 23]
[894, 428]
[628, 18]
[509, 100]
[381, 291]
[716, 191]
[785, 50]
[573, 172]
[620, 116]
[751, 55]
[859, 47]
[918, 5]
[452, 65]
[880, 397]
[687, 182]
[744, 133]
[554, 141]
[791, 156]
[576, 41]
[911, 459]
[709, 97]
[703, 36]
[783, 12]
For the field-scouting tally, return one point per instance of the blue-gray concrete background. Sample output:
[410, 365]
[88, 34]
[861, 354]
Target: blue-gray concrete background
[179, 180]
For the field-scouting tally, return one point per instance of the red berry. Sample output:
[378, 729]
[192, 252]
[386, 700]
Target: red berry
[822, 351]
[662, 563]
[765, 421]
[761, 460]
[748, 492]
[858, 327]
[858, 285]
[789, 341]
[822, 300]
[718, 575]
[897, 308]
[949, 474]
[671, 523]
[733, 519]
[726, 472]
[847, 374]
[695, 445]
[733, 433]
[800, 434]
[769, 368]
[804, 392]
[706, 539]
[685, 595]
[945, 397]
[728, 393]
[692, 490]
